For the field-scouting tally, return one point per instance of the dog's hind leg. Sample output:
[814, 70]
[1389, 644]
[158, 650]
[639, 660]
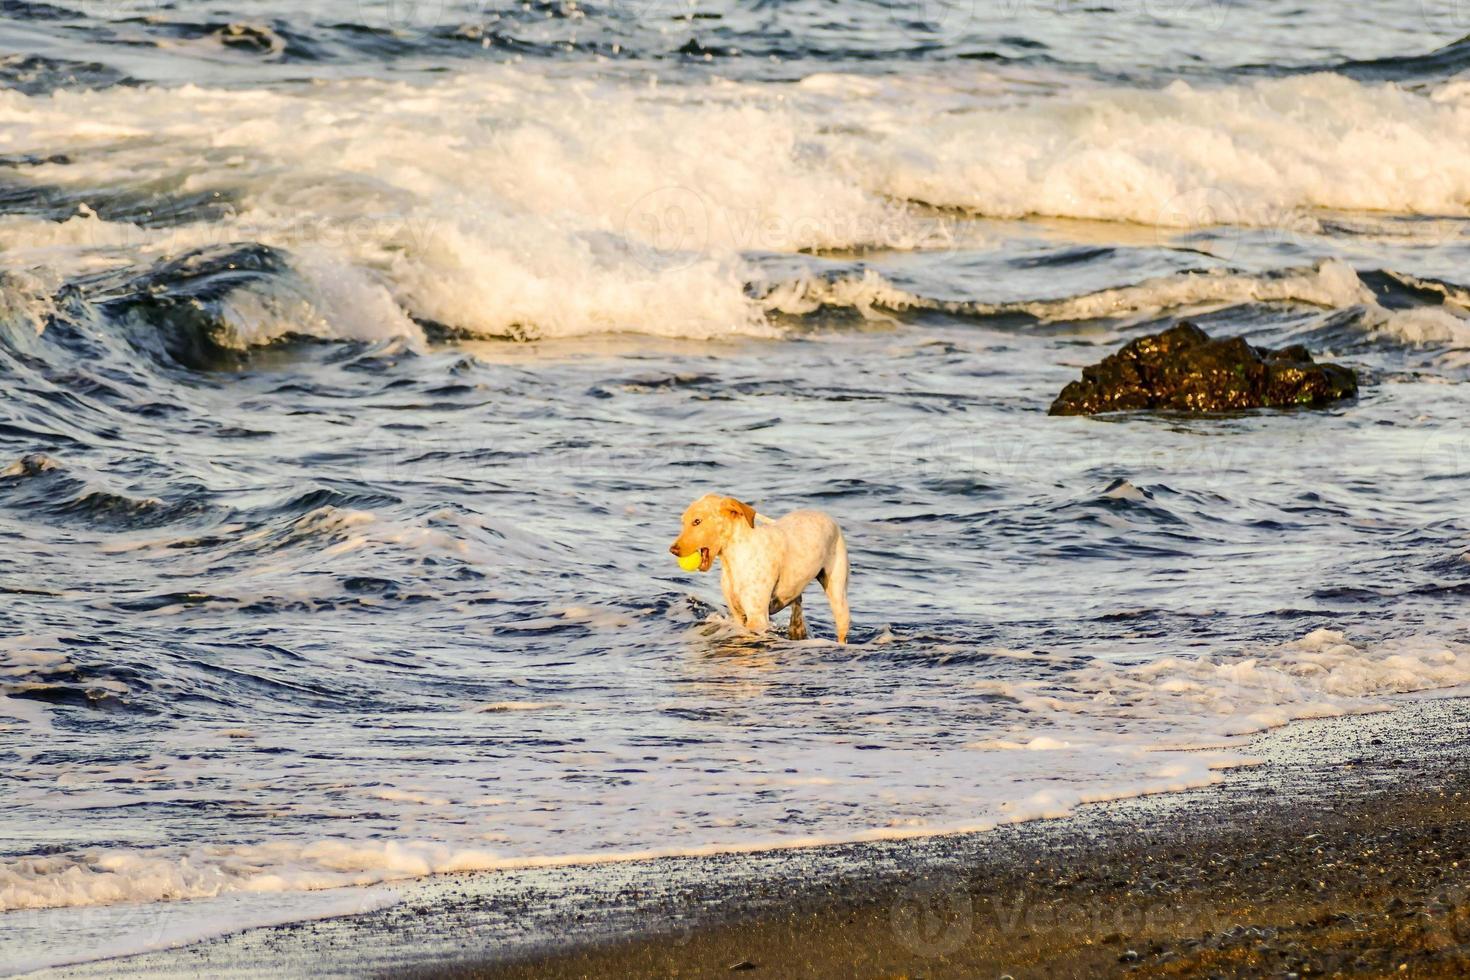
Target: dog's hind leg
[798, 622]
[834, 583]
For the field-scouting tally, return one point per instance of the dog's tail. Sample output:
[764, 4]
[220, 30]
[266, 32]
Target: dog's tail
[834, 583]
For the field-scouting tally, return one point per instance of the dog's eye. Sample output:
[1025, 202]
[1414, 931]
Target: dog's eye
[696, 522]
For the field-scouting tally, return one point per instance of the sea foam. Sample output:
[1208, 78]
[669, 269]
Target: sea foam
[557, 206]
[1100, 708]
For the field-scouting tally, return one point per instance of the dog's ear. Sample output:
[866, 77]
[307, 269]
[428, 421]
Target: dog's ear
[738, 511]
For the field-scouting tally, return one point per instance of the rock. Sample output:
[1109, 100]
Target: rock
[249, 37]
[1184, 370]
[31, 464]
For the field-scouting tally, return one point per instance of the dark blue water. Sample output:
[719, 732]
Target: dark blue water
[357, 364]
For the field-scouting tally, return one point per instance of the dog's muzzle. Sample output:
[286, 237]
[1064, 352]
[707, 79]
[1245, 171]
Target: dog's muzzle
[705, 561]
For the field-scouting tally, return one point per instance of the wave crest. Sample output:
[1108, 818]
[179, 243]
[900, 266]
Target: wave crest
[569, 206]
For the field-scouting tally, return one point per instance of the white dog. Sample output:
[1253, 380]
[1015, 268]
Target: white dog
[766, 565]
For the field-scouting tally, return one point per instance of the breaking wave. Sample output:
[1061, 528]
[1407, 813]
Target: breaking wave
[568, 206]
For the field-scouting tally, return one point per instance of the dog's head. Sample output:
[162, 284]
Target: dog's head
[709, 524]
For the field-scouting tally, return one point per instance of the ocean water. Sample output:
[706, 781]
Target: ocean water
[358, 361]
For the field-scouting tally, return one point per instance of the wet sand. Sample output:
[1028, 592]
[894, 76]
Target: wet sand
[1345, 851]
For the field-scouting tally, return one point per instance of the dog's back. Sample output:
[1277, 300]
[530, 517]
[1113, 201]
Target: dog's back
[814, 550]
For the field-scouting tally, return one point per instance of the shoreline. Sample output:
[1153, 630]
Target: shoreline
[1276, 873]
[1345, 848]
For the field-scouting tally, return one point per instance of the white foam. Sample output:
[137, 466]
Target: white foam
[1203, 699]
[559, 207]
[408, 796]
[511, 203]
[333, 300]
[1184, 156]
[26, 298]
[1426, 325]
[27, 662]
[1043, 763]
[28, 939]
[498, 706]
[1330, 285]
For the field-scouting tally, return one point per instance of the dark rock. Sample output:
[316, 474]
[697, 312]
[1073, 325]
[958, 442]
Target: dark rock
[31, 464]
[1184, 370]
[33, 74]
[248, 37]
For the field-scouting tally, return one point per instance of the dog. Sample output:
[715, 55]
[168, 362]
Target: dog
[765, 565]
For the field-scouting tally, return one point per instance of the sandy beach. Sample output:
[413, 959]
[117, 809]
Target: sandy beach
[1345, 850]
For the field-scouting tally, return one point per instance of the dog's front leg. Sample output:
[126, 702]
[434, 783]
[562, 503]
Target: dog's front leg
[757, 602]
[748, 593]
[732, 598]
[758, 622]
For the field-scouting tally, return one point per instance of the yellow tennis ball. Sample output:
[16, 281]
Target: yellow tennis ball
[690, 562]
